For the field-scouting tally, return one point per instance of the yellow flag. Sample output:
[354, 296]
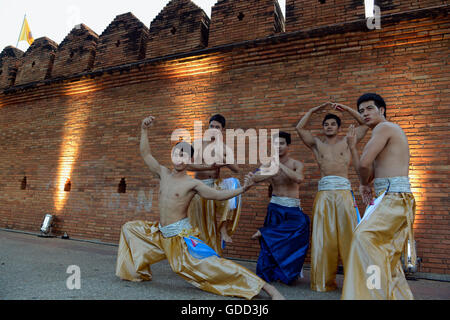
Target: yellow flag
[25, 33]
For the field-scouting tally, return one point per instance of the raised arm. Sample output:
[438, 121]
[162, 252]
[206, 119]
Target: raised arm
[151, 162]
[306, 135]
[362, 129]
[351, 142]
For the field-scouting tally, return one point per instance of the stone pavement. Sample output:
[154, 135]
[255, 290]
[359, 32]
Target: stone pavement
[35, 268]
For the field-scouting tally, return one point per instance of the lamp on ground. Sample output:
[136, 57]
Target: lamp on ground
[46, 227]
[409, 266]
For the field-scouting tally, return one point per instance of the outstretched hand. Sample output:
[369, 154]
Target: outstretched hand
[249, 181]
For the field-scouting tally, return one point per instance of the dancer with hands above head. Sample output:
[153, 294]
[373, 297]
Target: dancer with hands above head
[335, 214]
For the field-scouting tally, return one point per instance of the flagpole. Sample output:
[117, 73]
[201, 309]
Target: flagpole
[21, 29]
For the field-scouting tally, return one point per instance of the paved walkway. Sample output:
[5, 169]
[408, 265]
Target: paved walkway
[34, 268]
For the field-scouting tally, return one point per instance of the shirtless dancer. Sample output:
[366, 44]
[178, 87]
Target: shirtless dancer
[334, 213]
[203, 212]
[379, 239]
[143, 243]
[284, 239]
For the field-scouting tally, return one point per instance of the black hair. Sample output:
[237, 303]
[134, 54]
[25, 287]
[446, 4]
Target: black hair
[219, 118]
[377, 99]
[332, 116]
[285, 135]
[185, 147]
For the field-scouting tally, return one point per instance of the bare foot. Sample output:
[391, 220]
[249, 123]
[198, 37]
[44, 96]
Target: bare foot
[257, 235]
[273, 292]
[224, 234]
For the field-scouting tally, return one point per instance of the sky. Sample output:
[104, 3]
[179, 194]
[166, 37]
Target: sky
[55, 19]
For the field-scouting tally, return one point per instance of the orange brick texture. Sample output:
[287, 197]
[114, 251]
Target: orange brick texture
[76, 53]
[9, 63]
[180, 27]
[85, 125]
[236, 21]
[37, 62]
[313, 13]
[123, 41]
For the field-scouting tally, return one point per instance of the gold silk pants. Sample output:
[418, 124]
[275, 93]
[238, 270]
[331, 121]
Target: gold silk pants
[374, 269]
[203, 215]
[334, 219]
[142, 244]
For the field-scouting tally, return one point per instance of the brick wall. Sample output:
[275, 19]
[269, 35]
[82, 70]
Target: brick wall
[86, 126]
[240, 20]
[36, 64]
[312, 13]
[180, 27]
[9, 62]
[123, 41]
[76, 53]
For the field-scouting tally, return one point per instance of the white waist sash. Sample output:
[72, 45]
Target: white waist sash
[391, 184]
[285, 201]
[175, 228]
[395, 184]
[334, 183]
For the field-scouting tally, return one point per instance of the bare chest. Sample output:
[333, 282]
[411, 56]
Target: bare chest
[281, 178]
[174, 189]
[331, 153]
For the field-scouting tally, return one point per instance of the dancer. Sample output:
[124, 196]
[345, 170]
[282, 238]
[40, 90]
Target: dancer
[374, 270]
[204, 213]
[284, 238]
[143, 243]
[335, 213]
